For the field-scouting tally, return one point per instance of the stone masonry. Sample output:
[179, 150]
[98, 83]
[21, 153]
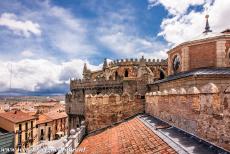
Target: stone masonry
[104, 110]
[114, 93]
[203, 112]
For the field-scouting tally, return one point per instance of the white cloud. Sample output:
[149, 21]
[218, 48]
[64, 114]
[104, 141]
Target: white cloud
[176, 7]
[70, 34]
[132, 46]
[190, 25]
[122, 39]
[27, 53]
[31, 74]
[24, 28]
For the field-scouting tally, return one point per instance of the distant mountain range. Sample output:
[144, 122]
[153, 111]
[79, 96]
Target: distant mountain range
[44, 92]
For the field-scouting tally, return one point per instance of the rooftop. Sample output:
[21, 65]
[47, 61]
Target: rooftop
[48, 104]
[128, 137]
[203, 37]
[43, 119]
[146, 134]
[197, 72]
[56, 115]
[16, 116]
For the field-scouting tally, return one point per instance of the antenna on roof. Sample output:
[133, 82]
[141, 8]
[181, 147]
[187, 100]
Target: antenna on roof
[207, 27]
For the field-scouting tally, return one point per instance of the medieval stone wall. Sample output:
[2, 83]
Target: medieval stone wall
[104, 110]
[204, 111]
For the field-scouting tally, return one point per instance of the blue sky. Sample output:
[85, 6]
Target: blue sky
[80, 29]
[47, 42]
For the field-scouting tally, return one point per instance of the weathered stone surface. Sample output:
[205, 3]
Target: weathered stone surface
[103, 110]
[205, 114]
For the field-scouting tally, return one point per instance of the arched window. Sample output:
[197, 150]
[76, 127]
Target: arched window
[126, 73]
[162, 75]
[176, 63]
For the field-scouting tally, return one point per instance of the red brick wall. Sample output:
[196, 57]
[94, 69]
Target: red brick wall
[202, 55]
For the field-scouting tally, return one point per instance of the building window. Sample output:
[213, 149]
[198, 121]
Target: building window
[20, 126]
[176, 63]
[162, 75]
[20, 136]
[42, 135]
[32, 126]
[49, 134]
[26, 134]
[126, 73]
[56, 125]
[142, 97]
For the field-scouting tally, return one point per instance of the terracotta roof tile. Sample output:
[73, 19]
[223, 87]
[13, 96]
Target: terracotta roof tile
[128, 137]
[56, 115]
[16, 116]
[43, 119]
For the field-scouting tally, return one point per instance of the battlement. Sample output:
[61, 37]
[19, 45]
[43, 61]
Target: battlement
[102, 110]
[138, 61]
[81, 83]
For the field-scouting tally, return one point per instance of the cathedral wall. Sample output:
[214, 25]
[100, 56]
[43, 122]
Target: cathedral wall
[202, 55]
[203, 111]
[104, 110]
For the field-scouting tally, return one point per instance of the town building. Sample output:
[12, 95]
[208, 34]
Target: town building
[59, 123]
[44, 128]
[22, 125]
[44, 107]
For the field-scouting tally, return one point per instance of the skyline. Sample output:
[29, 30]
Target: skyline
[47, 42]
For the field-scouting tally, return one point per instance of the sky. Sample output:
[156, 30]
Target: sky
[44, 43]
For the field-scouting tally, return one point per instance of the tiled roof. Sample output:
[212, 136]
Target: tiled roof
[43, 119]
[197, 72]
[128, 137]
[56, 115]
[16, 116]
[48, 104]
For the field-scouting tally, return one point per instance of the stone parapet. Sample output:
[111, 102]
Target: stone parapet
[83, 84]
[203, 111]
[104, 110]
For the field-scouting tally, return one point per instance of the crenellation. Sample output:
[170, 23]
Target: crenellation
[193, 90]
[132, 62]
[198, 111]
